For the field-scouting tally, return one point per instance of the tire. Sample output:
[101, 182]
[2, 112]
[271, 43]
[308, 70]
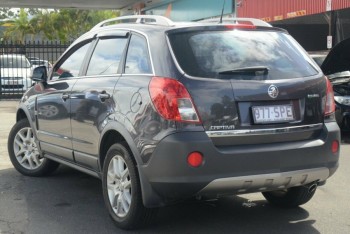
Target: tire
[24, 153]
[121, 187]
[292, 197]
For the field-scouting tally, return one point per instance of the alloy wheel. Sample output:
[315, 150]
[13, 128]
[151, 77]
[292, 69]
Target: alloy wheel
[26, 150]
[119, 186]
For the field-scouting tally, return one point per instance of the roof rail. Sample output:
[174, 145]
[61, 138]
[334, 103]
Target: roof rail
[138, 19]
[256, 22]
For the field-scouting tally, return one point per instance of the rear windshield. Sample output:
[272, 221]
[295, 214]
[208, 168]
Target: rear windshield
[216, 53]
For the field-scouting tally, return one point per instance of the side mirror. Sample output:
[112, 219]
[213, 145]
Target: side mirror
[40, 74]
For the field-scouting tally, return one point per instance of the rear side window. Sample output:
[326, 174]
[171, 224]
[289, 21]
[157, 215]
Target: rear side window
[216, 53]
[137, 60]
[106, 56]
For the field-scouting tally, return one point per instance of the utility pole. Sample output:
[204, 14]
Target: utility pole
[234, 6]
[330, 22]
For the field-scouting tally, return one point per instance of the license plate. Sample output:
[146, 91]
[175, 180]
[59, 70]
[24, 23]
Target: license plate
[273, 114]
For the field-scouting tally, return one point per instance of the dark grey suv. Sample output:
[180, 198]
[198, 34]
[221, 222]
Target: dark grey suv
[165, 111]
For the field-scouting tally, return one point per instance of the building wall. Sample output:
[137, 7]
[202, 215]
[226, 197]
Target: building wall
[190, 10]
[274, 10]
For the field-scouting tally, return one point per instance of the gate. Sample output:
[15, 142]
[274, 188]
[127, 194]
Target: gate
[17, 61]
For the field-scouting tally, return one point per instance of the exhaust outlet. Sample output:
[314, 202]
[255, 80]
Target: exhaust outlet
[312, 188]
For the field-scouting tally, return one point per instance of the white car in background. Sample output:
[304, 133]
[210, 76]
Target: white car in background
[37, 62]
[15, 72]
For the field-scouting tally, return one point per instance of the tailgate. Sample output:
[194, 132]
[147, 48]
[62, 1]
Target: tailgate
[250, 86]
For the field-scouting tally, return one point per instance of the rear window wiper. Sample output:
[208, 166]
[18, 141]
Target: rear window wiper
[256, 71]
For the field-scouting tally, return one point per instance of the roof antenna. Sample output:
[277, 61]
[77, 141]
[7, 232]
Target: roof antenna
[222, 12]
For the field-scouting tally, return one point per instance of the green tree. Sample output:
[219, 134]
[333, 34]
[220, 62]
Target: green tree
[64, 25]
[68, 24]
[20, 27]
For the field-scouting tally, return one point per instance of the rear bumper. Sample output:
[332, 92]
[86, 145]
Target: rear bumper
[264, 182]
[237, 169]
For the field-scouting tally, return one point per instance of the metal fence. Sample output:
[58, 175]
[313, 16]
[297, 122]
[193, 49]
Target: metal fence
[17, 60]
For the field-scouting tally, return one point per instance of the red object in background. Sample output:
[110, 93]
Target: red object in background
[280, 9]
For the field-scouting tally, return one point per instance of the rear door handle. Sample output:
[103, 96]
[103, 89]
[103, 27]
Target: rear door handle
[65, 96]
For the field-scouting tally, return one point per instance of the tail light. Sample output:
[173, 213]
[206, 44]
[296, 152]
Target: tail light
[330, 104]
[172, 100]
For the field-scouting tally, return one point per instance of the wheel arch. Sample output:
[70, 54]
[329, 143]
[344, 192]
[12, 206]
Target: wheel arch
[109, 138]
[24, 113]
[115, 132]
[21, 115]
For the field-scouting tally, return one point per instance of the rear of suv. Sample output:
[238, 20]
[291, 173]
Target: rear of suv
[165, 111]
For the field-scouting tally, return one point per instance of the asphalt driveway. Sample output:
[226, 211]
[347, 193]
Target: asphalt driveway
[71, 202]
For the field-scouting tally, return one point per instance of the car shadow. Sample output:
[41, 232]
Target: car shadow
[72, 202]
[234, 214]
[345, 137]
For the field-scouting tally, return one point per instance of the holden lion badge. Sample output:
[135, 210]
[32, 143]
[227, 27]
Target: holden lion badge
[272, 91]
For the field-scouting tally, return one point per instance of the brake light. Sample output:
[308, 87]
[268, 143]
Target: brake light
[330, 104]
[240, 26]
[172, 100]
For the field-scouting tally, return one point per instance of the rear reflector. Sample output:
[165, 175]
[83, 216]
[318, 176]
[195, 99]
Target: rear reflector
[172, 100]
[335, 146]
[329, 104]
[195, 159]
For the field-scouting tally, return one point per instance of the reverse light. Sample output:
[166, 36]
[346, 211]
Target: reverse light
[195, 159]
[172, 100]
[329, 104]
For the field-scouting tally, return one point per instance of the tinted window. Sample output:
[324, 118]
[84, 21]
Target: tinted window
[206, 54]
[71, 65]
[106, 57]
[137, 60]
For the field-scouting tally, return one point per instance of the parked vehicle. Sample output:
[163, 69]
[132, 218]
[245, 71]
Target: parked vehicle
[33, 58]
[335, 64]
[15, 72]
[37, 62]
[162, 112]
